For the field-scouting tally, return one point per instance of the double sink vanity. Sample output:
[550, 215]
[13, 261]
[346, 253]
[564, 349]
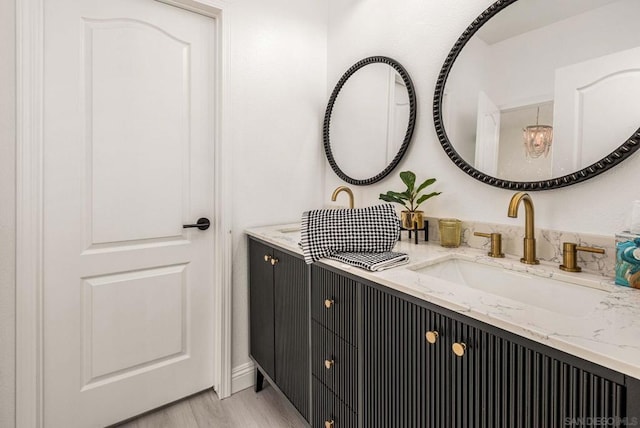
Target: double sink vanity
[455, 338]
[459, 337]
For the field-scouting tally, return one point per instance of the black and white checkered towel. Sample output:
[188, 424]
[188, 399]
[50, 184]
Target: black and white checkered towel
[327, 232]
[373, 261]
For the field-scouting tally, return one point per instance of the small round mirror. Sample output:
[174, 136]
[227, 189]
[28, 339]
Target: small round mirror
[369, 120]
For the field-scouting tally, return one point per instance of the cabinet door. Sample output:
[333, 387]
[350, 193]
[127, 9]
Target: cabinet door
[405, 377]
[261, 307]
[291, 291]
[499, 383]
[472, 399]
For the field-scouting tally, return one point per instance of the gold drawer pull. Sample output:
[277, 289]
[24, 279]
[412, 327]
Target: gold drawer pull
[267, 257]
[328, 303]
[328, 424]
[274, 261]
[329, 363]
[432, 336]
[459, 348]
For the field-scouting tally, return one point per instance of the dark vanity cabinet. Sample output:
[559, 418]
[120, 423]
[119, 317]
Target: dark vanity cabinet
[413, 378]
[279, 321]
[378, 358]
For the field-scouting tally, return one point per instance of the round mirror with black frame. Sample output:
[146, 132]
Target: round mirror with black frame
[541, 94]
[369, 120]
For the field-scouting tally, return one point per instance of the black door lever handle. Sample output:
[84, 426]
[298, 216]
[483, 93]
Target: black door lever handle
[203, 223]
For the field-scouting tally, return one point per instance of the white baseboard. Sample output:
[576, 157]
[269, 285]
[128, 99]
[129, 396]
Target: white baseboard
[242, 377]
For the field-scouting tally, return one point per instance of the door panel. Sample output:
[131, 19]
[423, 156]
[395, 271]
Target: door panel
[128, 294]
[141, 334]
[128, 115]
[587, 131]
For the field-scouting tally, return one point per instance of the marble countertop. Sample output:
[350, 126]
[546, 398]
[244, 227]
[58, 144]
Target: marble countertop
[605, 331]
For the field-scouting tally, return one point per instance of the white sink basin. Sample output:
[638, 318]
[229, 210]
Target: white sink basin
[545, 293]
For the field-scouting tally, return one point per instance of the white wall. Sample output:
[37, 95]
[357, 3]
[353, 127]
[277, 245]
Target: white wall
[7, 213]
[278, 96]
[419, 34]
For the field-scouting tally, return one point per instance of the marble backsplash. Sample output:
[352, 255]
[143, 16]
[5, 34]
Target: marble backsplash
[548, 243]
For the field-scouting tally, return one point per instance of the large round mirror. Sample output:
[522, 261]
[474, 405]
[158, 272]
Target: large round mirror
[541, 94]
[369, 120]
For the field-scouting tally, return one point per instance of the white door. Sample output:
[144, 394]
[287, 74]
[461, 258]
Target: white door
[128, 158]
[595, 109]
[487, 135]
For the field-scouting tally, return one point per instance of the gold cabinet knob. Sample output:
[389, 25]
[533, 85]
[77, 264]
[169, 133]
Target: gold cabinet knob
[328, 364]
[459, 348]
[267, 257]
[328, 303]
[274, 261]
[328, 424]
[432, 336]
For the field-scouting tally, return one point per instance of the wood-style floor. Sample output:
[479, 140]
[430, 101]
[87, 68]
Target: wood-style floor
[245, 409]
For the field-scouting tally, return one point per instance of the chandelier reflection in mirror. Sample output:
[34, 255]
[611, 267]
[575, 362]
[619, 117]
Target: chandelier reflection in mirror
[537, 139]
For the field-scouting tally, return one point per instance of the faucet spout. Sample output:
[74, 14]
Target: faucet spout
[343, 189]
[529, 230]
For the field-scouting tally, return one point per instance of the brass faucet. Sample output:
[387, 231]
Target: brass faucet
[343, 189]
[529, 232]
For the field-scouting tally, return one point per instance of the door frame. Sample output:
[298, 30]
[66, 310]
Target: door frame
[30, 205]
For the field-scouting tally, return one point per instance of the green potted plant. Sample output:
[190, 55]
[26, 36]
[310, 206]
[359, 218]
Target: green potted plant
[411, 199]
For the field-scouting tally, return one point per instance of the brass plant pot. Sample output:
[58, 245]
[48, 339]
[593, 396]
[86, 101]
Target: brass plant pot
[410, 218]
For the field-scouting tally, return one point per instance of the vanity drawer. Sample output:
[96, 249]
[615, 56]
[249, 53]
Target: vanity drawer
[334, 363]
[329, 411]
[334, 302]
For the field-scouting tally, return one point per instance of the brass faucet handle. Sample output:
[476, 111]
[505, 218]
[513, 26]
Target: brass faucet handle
[496, 243]
[570, 256]
[591, 249]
